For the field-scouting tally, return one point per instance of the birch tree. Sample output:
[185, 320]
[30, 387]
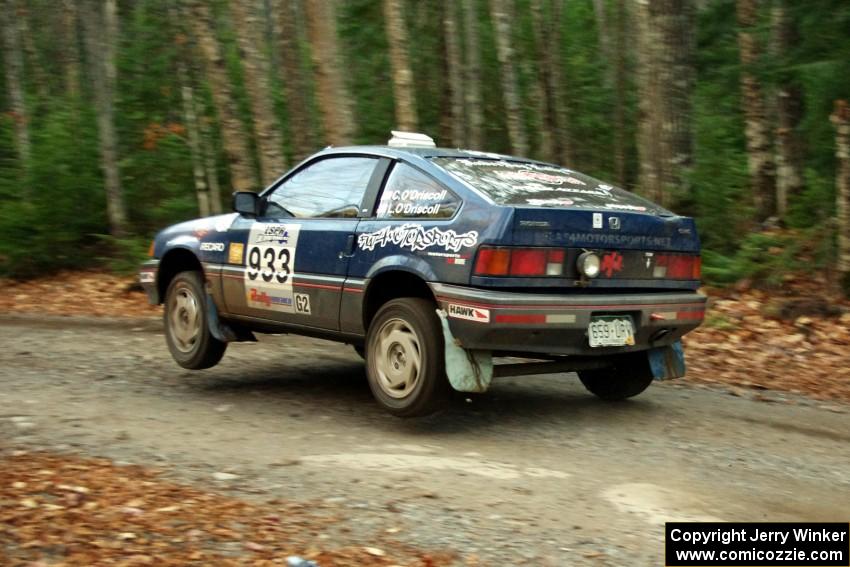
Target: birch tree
[841, 120]
[14, 67]
[510, 91]
[472, 76]
[760, 161]
[101, 31]
[248, 20]
[405, 100]
[455, 74]
[234, 138]
[332, 93]
[789, 109]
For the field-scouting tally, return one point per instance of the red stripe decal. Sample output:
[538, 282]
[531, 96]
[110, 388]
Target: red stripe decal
[352, 290]
[504, 318]
[317, 286]
[690, 315]
[625, 307]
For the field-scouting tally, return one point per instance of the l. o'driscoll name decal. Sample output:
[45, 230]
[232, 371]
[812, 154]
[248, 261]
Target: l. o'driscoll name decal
[417, 238]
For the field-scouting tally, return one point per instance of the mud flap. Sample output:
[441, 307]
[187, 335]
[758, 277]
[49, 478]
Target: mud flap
[222, 331]
[467, 370]
[667, 362]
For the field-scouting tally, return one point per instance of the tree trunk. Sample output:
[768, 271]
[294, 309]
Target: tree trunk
[759, 144]
[210, 169]
[14, 65]
[101, 27]
[510, 92]
[69, 48]
[194, 139]
[248, 22]
[405, 100]
[233, 135]
[789, 111]
[650, 177]
[472, 77]
[542, 88]
[332, 94]
[294, 81]
[455, 73]
[620, 85]
[25, 36]
[666, 78]
[841, 120]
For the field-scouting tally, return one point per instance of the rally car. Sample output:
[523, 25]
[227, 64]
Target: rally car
[434, 263]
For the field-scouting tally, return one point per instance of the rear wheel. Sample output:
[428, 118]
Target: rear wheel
[186, 329]
[404, 358]
[627, 377]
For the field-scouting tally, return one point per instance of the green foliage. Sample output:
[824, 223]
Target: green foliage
[52, 208]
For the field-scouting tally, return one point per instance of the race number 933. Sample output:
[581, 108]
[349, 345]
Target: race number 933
[269, 263]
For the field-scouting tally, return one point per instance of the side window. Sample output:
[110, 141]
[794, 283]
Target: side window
[330, 188]
[411, 194]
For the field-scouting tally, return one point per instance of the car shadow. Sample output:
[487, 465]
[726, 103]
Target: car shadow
[339, 388]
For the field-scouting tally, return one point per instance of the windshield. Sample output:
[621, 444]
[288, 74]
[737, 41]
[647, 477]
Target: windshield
[542, 185]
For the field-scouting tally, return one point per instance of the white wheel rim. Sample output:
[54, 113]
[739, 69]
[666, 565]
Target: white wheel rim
[397, 357]
[184, 319]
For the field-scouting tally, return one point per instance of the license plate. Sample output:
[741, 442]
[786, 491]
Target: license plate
[611, 331]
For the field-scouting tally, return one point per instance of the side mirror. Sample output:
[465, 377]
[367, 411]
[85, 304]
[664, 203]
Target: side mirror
[246, 203]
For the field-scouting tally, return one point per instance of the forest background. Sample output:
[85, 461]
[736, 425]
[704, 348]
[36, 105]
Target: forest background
[119, 117]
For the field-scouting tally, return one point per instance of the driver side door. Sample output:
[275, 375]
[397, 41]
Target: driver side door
[293, 258]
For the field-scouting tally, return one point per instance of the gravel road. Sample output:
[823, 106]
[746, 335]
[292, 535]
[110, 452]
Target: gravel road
[537, 471]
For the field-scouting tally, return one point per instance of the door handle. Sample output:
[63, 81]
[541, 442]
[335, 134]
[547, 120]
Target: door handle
[348, 251]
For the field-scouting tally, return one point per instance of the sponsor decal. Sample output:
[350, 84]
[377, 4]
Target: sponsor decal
[612, 262]
[201, 232]
[302, 303]
[416, 237]
[236, 253]
[597, 220]
[626, 240]
[469, 313]
[549, 202]
[539, 176]
[270, 265]
[623, 207]
[212, 246]
[614, 223]
[146, 277]
[257, 297]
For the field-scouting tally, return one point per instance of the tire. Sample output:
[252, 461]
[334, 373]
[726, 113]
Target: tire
[405, 361]
[187, 331]
[627, 377]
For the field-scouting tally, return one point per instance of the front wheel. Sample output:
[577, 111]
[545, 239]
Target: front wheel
[628, 376]
[186, 330]
[405, 362]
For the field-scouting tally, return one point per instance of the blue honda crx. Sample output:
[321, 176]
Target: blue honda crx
[443, 268]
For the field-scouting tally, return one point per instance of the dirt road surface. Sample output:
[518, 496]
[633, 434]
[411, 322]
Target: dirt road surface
[536, 471]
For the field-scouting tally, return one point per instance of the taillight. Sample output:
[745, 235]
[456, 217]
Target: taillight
[520, 262]
[677, 267]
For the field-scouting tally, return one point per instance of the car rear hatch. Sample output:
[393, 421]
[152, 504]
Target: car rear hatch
[558, 215]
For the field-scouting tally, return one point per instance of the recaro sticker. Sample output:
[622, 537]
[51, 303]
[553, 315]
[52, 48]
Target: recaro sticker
[270, 266]
[469, 313]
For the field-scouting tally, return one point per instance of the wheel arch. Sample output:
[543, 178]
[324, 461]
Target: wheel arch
[172, 263]
[393, 284]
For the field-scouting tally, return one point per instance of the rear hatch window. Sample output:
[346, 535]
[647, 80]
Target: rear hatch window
[528, 184]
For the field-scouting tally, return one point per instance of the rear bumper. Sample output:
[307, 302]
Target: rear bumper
[147, 279]
[557, 324]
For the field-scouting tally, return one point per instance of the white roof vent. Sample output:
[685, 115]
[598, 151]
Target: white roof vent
[410, 140]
